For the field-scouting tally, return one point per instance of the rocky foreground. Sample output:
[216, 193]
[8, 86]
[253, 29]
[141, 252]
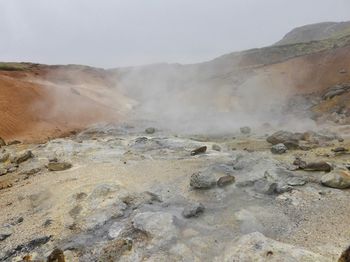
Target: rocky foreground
[119, 193]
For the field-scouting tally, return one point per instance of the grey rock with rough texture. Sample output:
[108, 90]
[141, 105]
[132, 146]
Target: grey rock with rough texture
[193, 210]
[4, 156]
[338, 178]
[150, 130]
[264, 186]
[225, 180]
[202, 180]
[279, 149]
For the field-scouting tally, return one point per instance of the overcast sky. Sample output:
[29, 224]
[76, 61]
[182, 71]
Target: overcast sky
[111, 33]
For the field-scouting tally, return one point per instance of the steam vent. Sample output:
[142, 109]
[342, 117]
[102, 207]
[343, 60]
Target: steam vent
[166, 145]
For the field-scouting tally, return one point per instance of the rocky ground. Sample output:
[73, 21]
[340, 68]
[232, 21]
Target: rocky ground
[122, 193]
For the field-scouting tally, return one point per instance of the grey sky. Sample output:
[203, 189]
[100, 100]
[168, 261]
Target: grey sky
[110, 33]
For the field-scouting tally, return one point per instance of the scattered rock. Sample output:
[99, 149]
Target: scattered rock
[58, 166]
[150, 130]
[115, 249]
[23, 157]
[299, 163]
[4, 156]
[318, 166]
[216, 147]
[14, 142]
[193, 210]
[336, 90]
[2, 142]
[3, 171]
[5, 233]
[340, 150]
[338, 178]
[342, 71]
[202, 180]
[199, 150]
[245, 130]
[225, 180]
[345, 256]
[296, 181]
[279, 149]
[284, 137]
[56, 256]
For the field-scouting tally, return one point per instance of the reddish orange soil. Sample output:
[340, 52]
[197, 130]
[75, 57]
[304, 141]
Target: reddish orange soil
[36, 105]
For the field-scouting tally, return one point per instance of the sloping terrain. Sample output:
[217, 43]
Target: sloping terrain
[316, 32]
[38, 101]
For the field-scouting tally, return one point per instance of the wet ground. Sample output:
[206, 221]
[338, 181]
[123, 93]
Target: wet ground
[124, 197]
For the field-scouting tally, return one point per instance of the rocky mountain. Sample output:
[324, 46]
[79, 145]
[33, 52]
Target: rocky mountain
[316, 32]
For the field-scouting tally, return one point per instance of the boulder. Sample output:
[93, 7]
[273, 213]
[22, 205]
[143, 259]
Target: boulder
[256, 247]
[225, 180]
[338, 178]
[245, 130]
[289, 139]
[193, 210]
[279, 149]
[318, 166]
[150, 130]
[58, 166]
[202, 180]
[199, 150]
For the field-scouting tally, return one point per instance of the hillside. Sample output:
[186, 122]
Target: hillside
[316, 32]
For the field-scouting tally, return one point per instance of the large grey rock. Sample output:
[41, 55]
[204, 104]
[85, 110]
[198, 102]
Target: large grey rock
[193, 210]
[284, 137]
[256, 247]
[338, 178]
[279, 149]
[159, 225]
[202, 180]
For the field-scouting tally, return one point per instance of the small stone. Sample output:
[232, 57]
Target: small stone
[14, 142]
[199, 150]
[345, 256]
[216, 147]
[296, 181]
[339, 178]
[318, 166]
[340, 150]
[150, 130]
[58, 166]
[193, 210]
[3, 171]
[225, 180]
[4, 157]
[279, 149]
[202, 180]
[2, 142]
[4, 235]
[56, 256]
[245, 130]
